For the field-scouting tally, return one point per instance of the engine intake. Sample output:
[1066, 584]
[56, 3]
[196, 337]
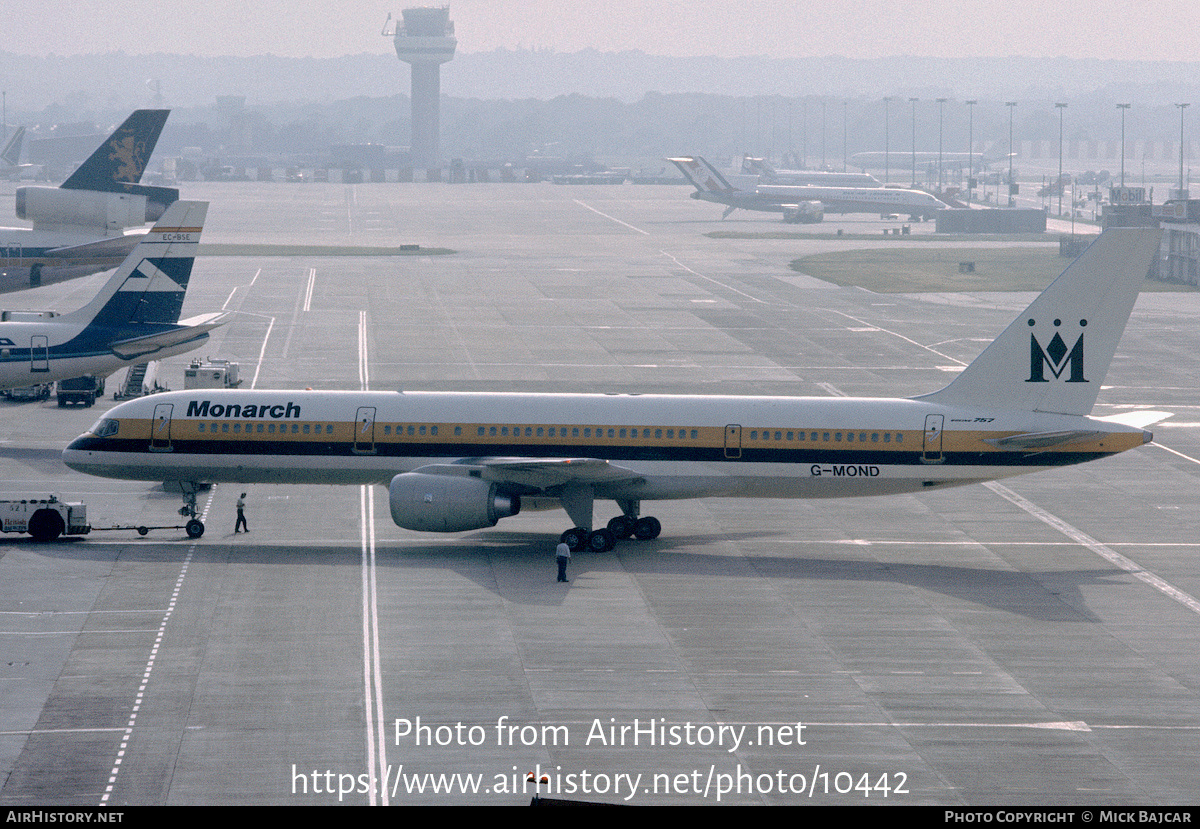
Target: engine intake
[448, 503]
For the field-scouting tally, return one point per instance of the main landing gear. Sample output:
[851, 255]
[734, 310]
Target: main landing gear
[646, 528]
[577, 500]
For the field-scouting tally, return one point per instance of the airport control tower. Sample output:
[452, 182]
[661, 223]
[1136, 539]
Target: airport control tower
[425, 41]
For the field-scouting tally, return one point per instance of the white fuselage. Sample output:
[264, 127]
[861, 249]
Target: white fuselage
[857, 199]
[672, 446]
[55, 349]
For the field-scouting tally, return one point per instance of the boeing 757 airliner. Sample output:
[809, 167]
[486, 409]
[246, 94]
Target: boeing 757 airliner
[462, 461]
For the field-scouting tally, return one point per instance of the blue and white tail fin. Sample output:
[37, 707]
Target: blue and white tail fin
[149, 286]
[121, 159]
[11, 154]
[703, 176]
[1054, 356]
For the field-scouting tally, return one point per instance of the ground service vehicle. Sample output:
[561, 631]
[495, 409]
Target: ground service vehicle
[44, 519]
[83, 390]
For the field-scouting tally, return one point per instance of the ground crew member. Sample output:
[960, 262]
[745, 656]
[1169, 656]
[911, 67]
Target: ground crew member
[563, 554]
[241, 518]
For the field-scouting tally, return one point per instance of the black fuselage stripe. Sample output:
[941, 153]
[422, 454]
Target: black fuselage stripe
[313, 448]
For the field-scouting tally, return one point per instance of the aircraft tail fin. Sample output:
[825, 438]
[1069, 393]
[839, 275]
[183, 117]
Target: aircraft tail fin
[703, 176]
[1054, 356]
[149, 286]
[121, 159]
[11, 154]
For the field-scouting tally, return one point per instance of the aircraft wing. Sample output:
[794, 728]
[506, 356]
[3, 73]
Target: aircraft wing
[188, 329]
[541, 475]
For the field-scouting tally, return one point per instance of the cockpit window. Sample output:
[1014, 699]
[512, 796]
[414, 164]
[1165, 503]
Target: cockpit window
[106, 427]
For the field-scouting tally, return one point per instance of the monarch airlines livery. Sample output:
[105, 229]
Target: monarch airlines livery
[462, 461]
[134, 318]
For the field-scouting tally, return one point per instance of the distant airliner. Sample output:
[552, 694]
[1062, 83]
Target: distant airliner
[767, 174]
[712, 186]
[902, 159]
[10, 157]
[79, 227]
[463, 461]
[135, 317]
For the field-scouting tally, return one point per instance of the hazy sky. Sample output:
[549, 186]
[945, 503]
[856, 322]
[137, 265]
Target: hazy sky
[1131, 29]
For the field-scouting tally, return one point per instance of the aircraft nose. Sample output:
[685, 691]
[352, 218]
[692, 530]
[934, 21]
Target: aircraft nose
[76, 455]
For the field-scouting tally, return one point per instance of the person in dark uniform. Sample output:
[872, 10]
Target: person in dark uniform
[563, 554]
[241, 518]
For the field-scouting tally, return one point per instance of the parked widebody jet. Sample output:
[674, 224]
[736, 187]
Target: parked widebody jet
[134, 318]
[768, 174]
[712, 186]
[903, 160]
[462, 461]
[79, 227]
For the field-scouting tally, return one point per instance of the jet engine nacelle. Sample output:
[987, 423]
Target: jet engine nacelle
[50, 207]
[447, 503]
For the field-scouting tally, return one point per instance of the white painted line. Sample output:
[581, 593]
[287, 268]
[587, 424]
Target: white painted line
[262, 352]
[710, 279]
[1173, 452]
[138, 697]
[610, 218]
[376, 730]
[308, 291]
[1105, 552]
[362, 350]
[901, 336]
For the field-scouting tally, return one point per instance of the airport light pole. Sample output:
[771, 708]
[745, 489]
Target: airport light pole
[804, 135]
[970, 149]
[1123, 107]
[941, 108]
[1010, 105]
[913, 101]
[1059, 183]
[1182, 107]
[845, 122]
[886, 124]
[823, 165]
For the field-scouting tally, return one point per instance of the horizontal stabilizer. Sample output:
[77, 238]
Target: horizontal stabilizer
[1138, 418]
[186, 331]
[1038, 441]
[113, 246]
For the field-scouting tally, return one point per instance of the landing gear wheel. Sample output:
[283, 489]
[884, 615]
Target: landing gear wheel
[46, 525]
[622, 526]
[143, 530]
[194, 528]
[575, 538]
[647, 529]
[601, 541]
